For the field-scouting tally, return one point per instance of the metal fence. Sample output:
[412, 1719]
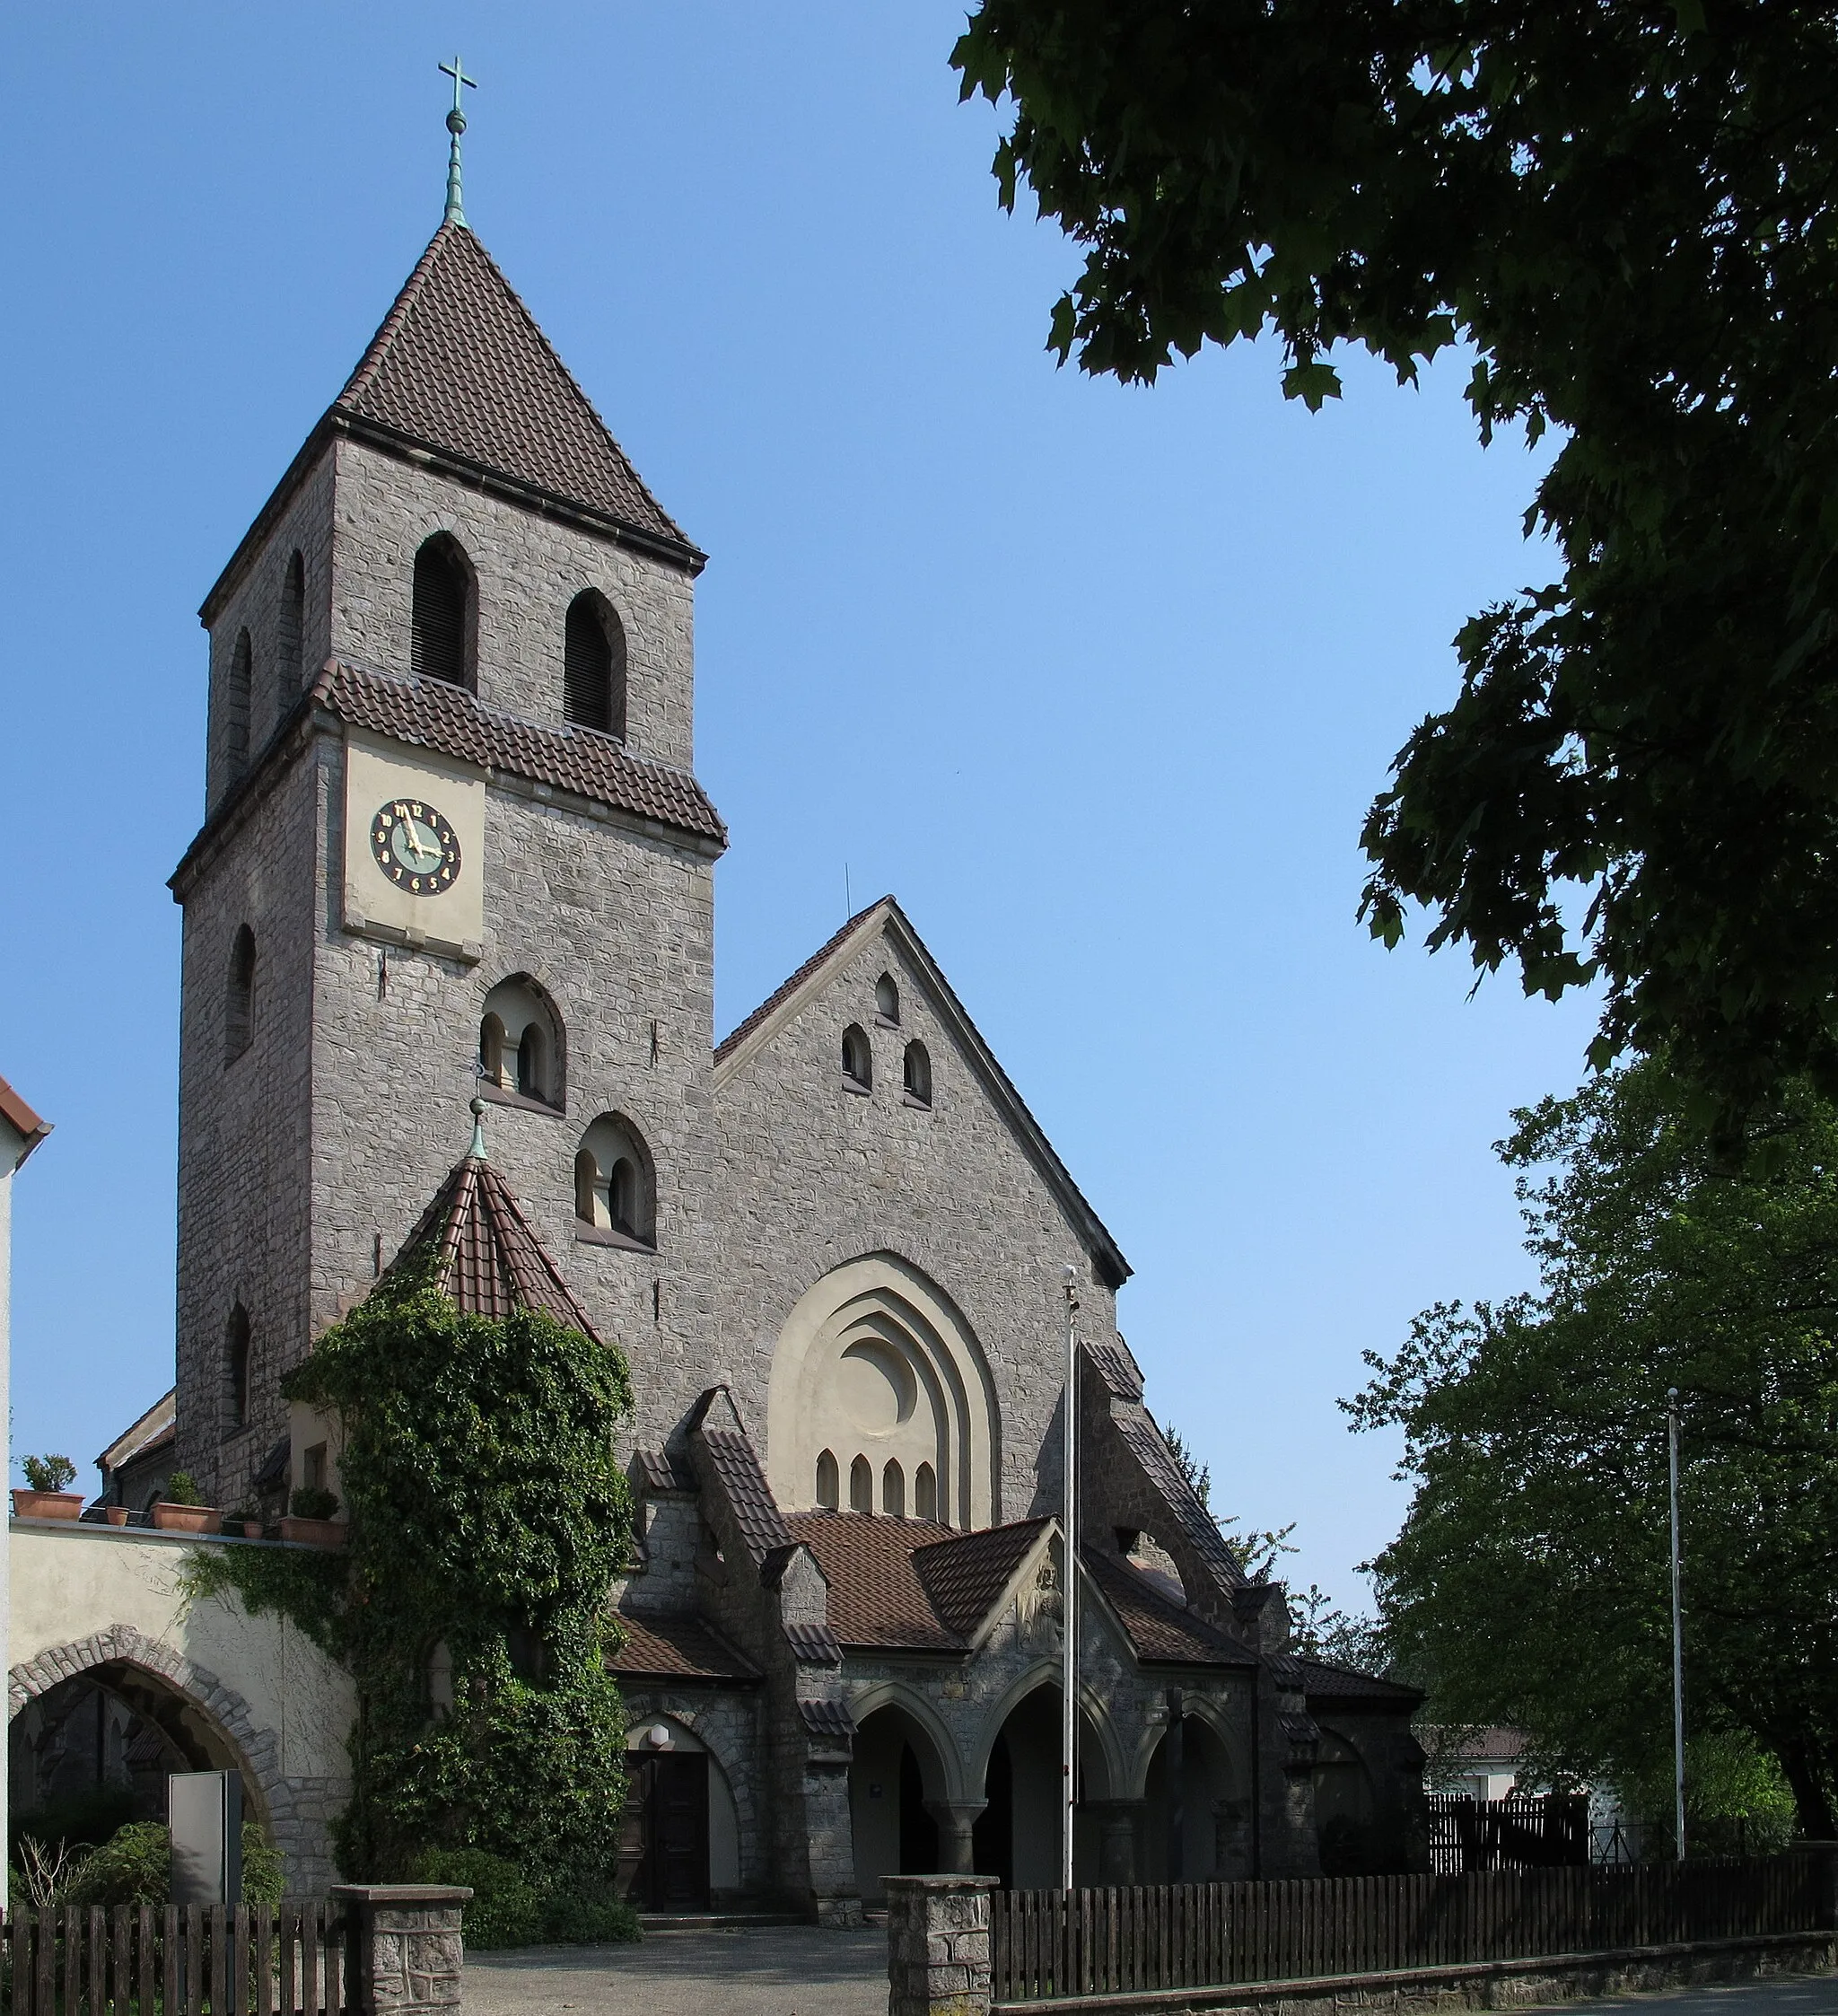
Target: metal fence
[1527, 1833]
[175, 1960]
[1191, 1935]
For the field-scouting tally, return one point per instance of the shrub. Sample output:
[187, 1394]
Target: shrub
[505, 1909]
[49, 1473]
[585, 1919]
[182, 1489]
[134, 1866]
[313, 1500]
[264, 1868]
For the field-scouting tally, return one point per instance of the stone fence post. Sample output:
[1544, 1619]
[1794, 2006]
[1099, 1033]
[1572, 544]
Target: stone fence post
[938, 1959]
[403, 1947]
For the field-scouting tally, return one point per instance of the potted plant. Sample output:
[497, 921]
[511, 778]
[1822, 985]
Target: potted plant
[47, 1494]
[180, 1511]
[117, 1515]
[310, 1519]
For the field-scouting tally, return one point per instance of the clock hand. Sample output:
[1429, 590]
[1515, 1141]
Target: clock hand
[415, 846]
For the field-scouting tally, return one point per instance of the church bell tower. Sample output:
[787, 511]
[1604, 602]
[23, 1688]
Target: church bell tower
[453, 845]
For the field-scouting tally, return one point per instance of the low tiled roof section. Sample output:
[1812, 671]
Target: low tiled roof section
[1145, 1444]
[679, 1647]
[157, 1424]
[876, 1597]
[962, 1576]
[1121, 1380]
[1322, 1680]
[460, 365]
[431, 714]
[762, 1524]
[491, 1261]
[1161, 1631]
[832, 1721]
[792, 982]
[658, 1470]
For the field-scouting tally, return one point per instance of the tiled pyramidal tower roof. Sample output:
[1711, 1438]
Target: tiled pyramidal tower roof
[459, 366]
[491, 1261]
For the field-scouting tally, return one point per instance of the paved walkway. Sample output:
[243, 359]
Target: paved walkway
[1799, 1996]
[779, 1970]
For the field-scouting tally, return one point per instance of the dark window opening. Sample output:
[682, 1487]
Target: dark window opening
[292, 627]
[236, 1371]
[439, 643]
[886, 999]
[918, 1075]
[593, 665]
[858, 1059]
[237, 698]
[239, 1008]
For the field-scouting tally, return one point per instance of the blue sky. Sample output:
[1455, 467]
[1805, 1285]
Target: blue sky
[1110, 674]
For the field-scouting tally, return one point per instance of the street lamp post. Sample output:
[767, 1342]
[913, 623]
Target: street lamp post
[1677, 1630]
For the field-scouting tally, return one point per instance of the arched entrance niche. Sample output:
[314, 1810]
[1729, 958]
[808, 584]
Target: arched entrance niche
[1018, 1834]
[679, 1840]
[1345, 1810]
[897, 1767]
[876, 1371]
[100, 1723]
[1192, 1821]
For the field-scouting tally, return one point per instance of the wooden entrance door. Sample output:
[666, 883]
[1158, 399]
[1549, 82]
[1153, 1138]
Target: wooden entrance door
[667, 1807]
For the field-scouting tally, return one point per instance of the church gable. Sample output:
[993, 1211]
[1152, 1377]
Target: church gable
[898, 1037]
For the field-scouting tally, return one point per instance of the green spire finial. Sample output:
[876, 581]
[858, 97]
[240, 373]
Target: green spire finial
[476, 1152]
[456, 125]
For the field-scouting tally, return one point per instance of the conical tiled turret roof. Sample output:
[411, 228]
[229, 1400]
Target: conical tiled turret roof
[460, 366]
[491, 1261]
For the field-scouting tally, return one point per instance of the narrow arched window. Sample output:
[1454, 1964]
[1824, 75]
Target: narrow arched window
[532, 1065]
[861, 1486]
[893, 1490]
[239, 1004]
[918, 1075]
[441, 637]
[238, 691]
[858, 1060]
[491, 1050]
[236, 1371]
[291, 628]
[593, 665]
[615, 1182]
[828, 1482]
[886, 999]
[925, 1492]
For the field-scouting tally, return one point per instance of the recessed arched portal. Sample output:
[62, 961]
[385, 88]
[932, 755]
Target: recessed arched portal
[1191, 1818]
[1018, 1834]
[895, 1769]
[878, 1366]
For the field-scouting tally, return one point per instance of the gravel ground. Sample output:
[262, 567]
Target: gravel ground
[780, 1970]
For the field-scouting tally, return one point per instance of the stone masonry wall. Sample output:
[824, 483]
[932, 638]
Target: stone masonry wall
[529, 569]
[809, 1175]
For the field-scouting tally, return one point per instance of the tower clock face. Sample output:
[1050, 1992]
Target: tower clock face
[415, 846]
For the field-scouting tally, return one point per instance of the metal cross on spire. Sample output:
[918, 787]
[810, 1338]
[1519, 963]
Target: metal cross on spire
[456, 125]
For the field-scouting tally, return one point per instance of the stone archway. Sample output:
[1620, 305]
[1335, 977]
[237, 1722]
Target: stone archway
[220, 1722]
[1018, 1834]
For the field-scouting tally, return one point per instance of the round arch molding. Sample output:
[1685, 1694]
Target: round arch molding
[253, 1751]
[877, 1362]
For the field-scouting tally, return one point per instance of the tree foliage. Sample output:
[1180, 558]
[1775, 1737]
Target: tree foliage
[1529, 1584]
[1627, 209]
[488, 1519]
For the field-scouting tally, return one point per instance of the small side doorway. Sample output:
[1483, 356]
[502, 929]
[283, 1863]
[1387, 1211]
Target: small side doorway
[666, 1832]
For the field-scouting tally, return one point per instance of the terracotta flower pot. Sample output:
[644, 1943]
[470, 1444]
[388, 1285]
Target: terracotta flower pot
[313, 1532]
[187, 1519]
[117, 1515]
[46, 1504]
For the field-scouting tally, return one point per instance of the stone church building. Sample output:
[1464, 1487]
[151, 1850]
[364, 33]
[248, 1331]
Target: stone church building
[453, 849]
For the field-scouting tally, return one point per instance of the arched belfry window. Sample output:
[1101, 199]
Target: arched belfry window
[440, 642]
[236, 1371]
[829, 1495]
[926, 1491]
[615, 1185]
[887, 1000]
[858, 1060]
[521, 1047]
[893, 1490]
[861, 1486]
[291, 629]
[593, 665]
[237, 690]
[239, 1004]
[918, 1075]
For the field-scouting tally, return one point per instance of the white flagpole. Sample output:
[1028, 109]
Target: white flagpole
[1677, 1630]
[1069, 1677]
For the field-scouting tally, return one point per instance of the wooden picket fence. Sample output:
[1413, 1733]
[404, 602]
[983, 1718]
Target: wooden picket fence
[174, 1961]
[1193, 1935]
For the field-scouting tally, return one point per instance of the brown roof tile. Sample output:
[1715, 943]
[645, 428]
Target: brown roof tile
[431, 714]
[1161, 1632]
[1324, 1681]
[20, 1118]
[876, 1597]
[460, 366]
[679, 1647]
[1145, 1443]
[491, 1261]
[737, 1464]
[962, 1576]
